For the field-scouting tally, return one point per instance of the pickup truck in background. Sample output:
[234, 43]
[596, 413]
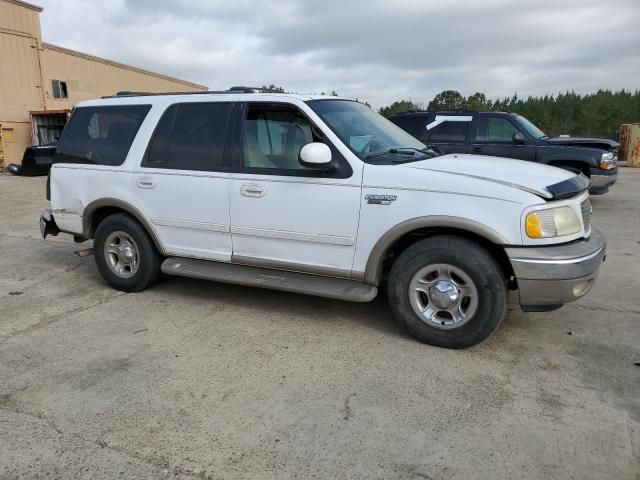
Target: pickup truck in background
[510, 135]
[36, 161]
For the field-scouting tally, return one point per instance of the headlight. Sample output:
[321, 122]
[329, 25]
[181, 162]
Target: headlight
[608, 160]
[554, 222]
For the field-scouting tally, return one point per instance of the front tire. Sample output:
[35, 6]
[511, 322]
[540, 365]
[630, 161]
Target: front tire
[125, 255]
[448, 291]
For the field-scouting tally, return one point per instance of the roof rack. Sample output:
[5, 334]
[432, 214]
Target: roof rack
[236, 89]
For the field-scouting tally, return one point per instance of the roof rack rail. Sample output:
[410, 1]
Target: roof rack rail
[235, 89]
[127, 93]
[238, 89]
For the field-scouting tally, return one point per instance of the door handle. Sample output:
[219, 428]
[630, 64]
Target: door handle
[476, 149]
[145, 182]
[252, 190]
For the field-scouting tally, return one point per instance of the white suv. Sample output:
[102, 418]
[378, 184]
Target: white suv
[322, 196]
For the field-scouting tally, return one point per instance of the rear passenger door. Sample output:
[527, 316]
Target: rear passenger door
[450, 134]
[182, 183]
[493, 135]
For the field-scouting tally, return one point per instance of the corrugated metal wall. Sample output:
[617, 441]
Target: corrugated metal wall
[18, 17]
[20, 89]
[15, 137]
[90, 77]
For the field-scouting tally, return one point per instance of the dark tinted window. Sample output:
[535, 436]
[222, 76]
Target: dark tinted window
[494, 129]
[449, 132]
[415, 125]
[190, 136]
[100, 135]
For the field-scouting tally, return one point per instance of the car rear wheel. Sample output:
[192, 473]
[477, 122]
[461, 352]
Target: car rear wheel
[448, 291]
[125, 255]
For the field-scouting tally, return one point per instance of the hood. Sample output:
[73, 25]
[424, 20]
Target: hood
[541, 180]
[602, 143]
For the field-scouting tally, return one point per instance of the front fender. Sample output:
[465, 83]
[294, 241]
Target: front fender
[373, 271]
[588, 156]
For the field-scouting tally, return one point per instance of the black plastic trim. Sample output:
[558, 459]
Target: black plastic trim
[570, 187]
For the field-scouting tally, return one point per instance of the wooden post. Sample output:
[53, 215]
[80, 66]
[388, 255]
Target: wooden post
[630, 144]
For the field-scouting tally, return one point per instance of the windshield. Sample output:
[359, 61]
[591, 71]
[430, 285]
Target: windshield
[531, 129]
[367, 133]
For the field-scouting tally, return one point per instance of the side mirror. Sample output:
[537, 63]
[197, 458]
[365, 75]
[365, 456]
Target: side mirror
[518, 138]
[315, 155]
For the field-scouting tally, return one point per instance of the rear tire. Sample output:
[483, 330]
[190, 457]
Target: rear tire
[125, 255]
[448, 291]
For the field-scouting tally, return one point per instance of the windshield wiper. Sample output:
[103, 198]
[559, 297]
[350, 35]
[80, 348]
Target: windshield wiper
[394, 150]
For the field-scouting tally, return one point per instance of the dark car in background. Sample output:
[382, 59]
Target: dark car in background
[511, 135]
[36, 161]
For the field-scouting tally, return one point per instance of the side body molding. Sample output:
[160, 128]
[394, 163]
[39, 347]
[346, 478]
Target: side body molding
[90, 209]
[373, 270]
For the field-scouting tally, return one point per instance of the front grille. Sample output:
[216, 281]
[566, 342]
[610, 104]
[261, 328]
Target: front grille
[585, 208]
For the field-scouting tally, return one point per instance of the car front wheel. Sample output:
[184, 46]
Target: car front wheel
[448, 291]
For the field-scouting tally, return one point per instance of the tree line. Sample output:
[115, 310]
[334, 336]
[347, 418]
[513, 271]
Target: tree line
[597, 114]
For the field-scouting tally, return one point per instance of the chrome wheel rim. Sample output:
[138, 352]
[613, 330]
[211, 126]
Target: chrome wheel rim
[443, 296]
[122, 254]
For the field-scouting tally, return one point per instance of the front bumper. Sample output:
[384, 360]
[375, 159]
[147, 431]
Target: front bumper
[601, 180]
[550, 276]
[48, 224]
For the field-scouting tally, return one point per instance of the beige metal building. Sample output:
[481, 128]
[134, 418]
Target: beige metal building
[40, 82]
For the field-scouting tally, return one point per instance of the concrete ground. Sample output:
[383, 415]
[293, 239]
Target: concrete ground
[200, 380]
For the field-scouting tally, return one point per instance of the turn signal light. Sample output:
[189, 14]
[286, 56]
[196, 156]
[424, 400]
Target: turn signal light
[534, 230]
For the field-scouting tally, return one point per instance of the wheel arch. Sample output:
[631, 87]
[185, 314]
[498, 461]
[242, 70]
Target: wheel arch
[100, 209]
[401, 236]
[576, 164]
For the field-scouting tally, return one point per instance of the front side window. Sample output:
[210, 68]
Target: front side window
[494, 129]
[449, 132]
[190, 136]
[273, 137]
[100, 135]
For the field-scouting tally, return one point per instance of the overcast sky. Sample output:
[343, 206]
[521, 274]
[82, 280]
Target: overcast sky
[379, 51]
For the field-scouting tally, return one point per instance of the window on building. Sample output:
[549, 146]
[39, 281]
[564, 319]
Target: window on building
[190, 136]
[449, 132]
[494, 129]
[100, 135]
[59, 89]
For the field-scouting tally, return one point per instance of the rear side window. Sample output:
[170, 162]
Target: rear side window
[100, 135]
[449, 132]
[414, 125]
[190, 136]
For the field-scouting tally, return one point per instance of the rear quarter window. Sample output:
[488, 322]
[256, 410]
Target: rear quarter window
[449, 132]
[415, 125]
[100, 135]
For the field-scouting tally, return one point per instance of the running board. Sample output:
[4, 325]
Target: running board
[337, 288]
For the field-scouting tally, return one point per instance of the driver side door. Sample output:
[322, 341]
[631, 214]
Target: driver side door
[493, 135]
[283, 214]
